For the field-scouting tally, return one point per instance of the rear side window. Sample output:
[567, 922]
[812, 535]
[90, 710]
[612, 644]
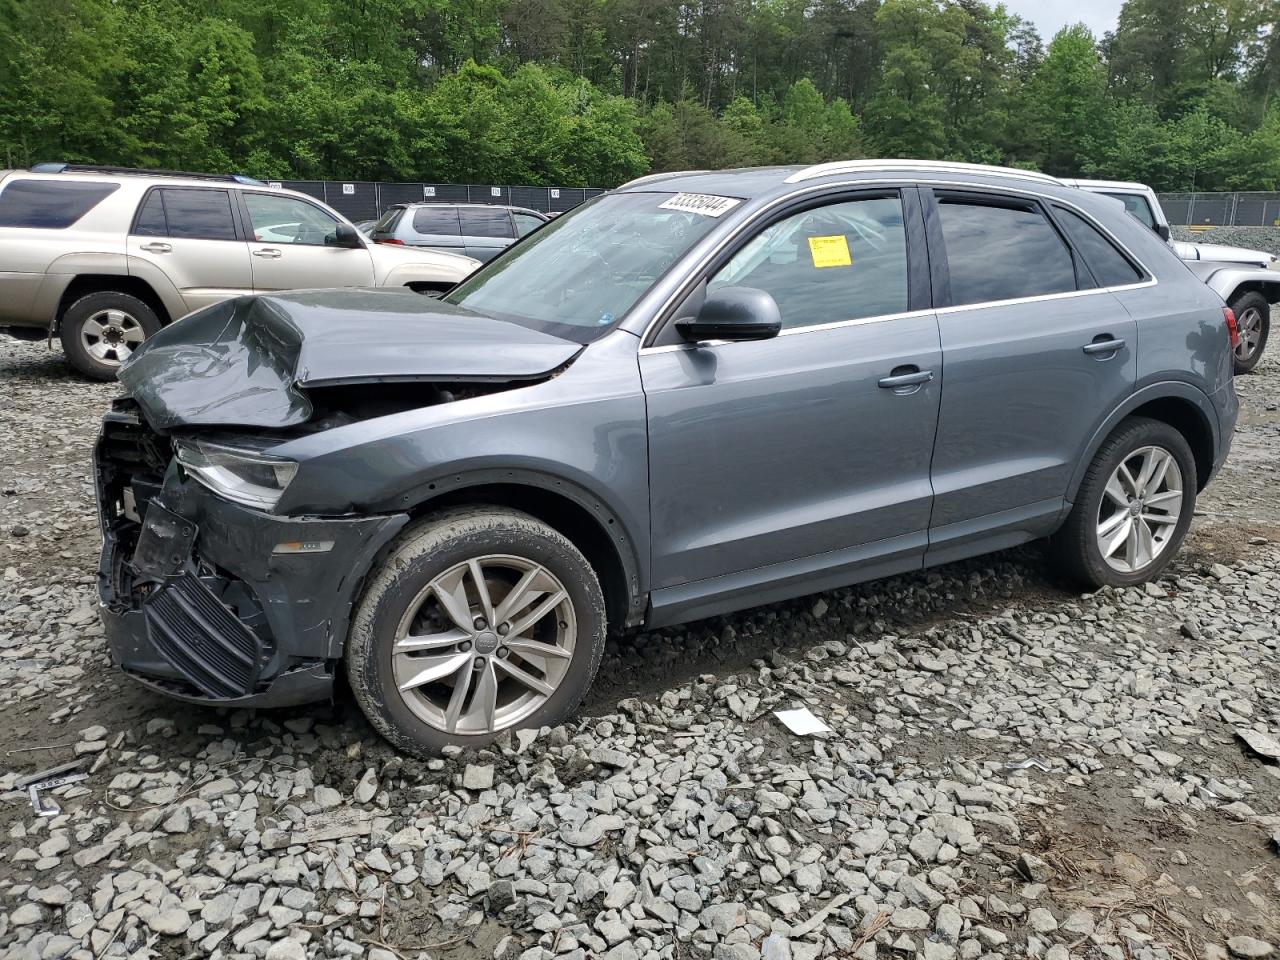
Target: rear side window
[442, 221]
[1108, 265]
[387, 222]
[486, 223]
[186, 214]
[1137, 207]
[526, 223]
[50, 204]
[1002, 252]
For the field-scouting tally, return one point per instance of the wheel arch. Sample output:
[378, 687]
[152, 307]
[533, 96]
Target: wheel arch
[1184, 407]
[84, 284]
[588, 522]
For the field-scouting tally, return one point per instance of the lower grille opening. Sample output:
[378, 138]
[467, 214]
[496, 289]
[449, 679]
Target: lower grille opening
[202, 638]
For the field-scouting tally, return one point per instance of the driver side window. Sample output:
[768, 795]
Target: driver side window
[276, 219]
[844, 261]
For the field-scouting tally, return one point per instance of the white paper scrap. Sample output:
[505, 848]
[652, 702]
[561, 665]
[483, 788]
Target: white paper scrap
[801, 722]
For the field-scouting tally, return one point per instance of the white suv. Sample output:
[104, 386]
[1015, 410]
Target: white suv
[106, 256]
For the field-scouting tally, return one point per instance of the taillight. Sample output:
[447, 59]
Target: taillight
[1233, 331]
[400, 243]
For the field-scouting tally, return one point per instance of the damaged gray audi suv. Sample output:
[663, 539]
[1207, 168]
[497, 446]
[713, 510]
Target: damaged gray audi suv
[698, 393]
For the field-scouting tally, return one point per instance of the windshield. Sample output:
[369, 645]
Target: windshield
[577, 275]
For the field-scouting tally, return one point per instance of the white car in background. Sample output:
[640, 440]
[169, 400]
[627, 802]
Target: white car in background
[1246, 279]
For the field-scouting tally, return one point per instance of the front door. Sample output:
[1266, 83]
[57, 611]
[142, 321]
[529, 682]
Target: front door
[291, 246]
[782, 466]
[1037, 353]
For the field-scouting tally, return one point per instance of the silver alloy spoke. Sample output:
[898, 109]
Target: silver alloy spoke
[482, 591]
[1145, 472]
[1112, 522]
[1162, 461]
[1173, 499]
[461, 687]
[1125, 477]
[451, 591]
[432, 641]
[532, 648]
[484, 704]
[1161, 518]
[1115, 490]
[538, 612]
[532, 585]
[93, 328]
[432, 669]
[526, 678]
[1120, 538]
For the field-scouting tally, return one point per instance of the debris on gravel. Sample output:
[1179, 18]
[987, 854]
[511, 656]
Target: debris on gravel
[1012, 770]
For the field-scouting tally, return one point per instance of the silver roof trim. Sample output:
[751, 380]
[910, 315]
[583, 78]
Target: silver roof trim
[935, 166]
[655, 177]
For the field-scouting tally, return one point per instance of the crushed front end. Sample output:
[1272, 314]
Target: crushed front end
[215, 602]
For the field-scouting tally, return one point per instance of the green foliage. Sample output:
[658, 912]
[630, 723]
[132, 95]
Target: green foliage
[596, 91]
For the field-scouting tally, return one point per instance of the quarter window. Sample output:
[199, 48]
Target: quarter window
[189, 214]
[50, 204]
[437, 221]
[1107, 264]
[279, 219]
[1002, 252]
[526, 223]
[846, 261]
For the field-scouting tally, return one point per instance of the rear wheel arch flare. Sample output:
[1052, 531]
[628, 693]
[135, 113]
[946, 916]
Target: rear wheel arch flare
[85, 284]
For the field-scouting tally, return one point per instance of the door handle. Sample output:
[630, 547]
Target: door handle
[157, 247]
[267, 253]
[904, 378]
[1103, 344]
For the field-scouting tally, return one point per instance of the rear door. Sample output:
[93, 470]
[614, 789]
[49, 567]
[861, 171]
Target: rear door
[190, 235]
[1036, 353]
[486, 231]
[292, 246]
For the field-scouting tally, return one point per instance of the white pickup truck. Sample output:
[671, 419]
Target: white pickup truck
[1246, 279]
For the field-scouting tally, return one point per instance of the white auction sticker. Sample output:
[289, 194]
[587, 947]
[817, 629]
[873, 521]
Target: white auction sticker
[701, 203]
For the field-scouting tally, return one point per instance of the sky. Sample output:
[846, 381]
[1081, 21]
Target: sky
[1050, 16]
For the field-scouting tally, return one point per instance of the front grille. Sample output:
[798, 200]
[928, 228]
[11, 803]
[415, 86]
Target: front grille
[203, 638]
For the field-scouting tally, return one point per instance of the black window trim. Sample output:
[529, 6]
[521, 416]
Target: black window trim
[662, 335]
[237, 215]
[1144, 275]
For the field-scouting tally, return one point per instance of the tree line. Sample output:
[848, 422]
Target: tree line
[593, 92]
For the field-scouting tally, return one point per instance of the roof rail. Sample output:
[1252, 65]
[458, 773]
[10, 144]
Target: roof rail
[137, 171]
[655, 177]
[940, 166]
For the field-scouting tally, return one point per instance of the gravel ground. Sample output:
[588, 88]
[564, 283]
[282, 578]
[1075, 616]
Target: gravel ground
[1013, 770]
[1251, 238]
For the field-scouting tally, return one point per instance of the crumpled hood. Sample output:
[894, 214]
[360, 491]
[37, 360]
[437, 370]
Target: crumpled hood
[248, 361]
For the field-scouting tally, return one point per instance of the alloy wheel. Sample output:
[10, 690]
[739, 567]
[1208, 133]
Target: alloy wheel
[110, 336]
[1140, 509]
[484, 645]
[1249, 327]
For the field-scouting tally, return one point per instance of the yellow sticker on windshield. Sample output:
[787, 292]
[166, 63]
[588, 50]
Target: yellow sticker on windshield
[830, 251]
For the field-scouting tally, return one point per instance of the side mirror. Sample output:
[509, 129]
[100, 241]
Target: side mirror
[1164, 231]
[733, 313]
[347, 236]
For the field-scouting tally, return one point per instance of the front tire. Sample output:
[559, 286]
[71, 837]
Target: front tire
[101, 330]
[1253, 321]
[1133, 508]
[481, 620]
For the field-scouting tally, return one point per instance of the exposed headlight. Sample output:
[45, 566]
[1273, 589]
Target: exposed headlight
[245, 476]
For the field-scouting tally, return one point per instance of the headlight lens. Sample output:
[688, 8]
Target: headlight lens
[245, 476]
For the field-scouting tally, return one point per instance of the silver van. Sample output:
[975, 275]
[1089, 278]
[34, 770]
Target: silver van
[478, 230]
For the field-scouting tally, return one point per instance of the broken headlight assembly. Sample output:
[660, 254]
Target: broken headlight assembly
[244, 476]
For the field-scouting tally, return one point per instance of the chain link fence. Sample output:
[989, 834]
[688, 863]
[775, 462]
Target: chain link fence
[366, 200]
[1222, 209]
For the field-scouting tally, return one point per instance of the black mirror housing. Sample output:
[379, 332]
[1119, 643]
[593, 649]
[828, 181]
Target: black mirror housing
[1165, 233]
[734, 314]
[347, 236]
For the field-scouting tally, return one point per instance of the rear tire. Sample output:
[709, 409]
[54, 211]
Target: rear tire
[101, 330]
[434, 661]
[1253, 320]
[1133, 508]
